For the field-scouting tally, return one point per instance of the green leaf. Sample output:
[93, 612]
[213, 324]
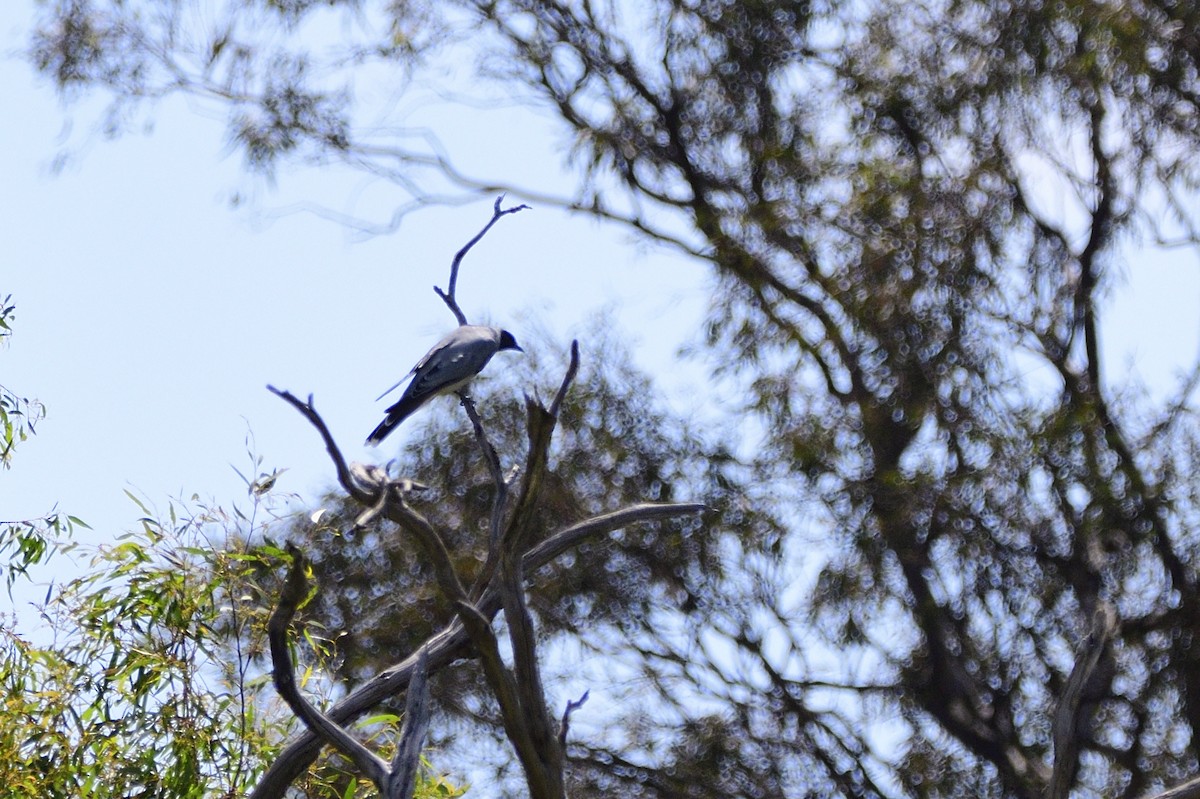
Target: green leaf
[380, 718]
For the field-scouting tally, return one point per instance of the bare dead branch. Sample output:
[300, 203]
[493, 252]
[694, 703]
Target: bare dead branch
[393, 783]
[568, 537]
[540, 750]
[364, 518]
[519, 691]
[568, 378]
[345, 478]
[434, 545]
[1069, 717]
[493, 462]
[450, 644]
[540, 425]
[407, 760]
[285, 679]
[448, 296]
[543, 782]
[393, 505]
[441, 650]
[520, 697]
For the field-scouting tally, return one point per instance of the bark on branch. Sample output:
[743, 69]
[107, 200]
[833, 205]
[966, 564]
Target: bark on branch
[394, 782]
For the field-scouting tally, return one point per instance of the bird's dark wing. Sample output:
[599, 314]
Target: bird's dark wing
[447, 367]
[442, 374]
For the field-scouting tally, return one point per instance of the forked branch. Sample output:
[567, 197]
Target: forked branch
[395, 782]
[535, 734]
[448, 296]
[452, 643]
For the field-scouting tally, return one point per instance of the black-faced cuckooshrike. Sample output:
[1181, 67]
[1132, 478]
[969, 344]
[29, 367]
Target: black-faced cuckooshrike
[445, 369]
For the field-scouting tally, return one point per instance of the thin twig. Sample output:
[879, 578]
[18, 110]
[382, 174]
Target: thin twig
[565, 725]
[493, 462]
[1186, 790]
[449, 296]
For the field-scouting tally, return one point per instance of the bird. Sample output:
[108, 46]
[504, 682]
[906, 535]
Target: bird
[445, 369]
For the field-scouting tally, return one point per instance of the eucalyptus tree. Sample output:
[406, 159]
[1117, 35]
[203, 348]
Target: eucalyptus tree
[974, 571]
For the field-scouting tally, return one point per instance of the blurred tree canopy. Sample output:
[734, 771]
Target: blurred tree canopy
[911, 210]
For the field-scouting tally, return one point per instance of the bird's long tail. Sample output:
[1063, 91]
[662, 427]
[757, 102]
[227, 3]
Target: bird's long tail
[395, 415]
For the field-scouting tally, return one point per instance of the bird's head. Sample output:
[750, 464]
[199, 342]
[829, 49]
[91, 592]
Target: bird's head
[507, 342]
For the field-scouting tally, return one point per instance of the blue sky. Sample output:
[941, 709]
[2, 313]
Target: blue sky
[151, 314]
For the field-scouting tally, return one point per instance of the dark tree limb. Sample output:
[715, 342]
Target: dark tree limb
[510, 693]
[451, 643]
[345, 478]
[493, 462]
[544, 756]
[568, 379]
[293, 594]
[407, 760]
[448, 296]
[533, 733]
[1103, 223]
[1083, 684]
